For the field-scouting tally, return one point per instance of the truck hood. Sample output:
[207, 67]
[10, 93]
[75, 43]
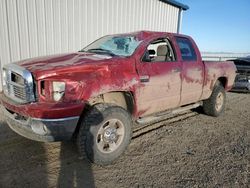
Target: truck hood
[55, 64]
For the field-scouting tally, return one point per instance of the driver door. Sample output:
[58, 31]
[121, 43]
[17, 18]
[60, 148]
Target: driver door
[160, 77]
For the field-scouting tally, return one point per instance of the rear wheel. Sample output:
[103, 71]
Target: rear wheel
[215, 104]
[105, 133]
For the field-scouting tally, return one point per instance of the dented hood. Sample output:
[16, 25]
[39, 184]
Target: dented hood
[63, 63]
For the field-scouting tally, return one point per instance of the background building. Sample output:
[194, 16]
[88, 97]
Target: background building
[30, 28]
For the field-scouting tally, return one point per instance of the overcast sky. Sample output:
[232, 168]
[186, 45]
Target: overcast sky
[218, 25]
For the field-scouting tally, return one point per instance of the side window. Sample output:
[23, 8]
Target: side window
[187, 49]
[159, 50]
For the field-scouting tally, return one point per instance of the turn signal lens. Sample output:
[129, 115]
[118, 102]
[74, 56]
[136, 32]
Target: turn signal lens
[58, 90]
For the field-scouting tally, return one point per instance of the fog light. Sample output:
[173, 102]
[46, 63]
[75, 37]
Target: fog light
[39, 128]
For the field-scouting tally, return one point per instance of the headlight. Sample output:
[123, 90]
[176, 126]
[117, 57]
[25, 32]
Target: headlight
[4, 79]
[58, 90]
[4, 76]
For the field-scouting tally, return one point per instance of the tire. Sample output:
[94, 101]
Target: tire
[105, 133]
[215, 104]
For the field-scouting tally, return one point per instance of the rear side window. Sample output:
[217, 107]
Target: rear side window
[187, 49]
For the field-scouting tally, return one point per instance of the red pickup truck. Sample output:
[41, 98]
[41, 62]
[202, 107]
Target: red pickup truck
[98, 93]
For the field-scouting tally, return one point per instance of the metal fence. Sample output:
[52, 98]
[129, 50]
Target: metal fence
[222, 56]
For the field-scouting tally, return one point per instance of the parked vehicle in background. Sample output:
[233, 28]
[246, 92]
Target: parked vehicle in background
[242, 80]
[98, 92]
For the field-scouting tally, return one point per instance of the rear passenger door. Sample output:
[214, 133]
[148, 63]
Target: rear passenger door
[192, 71]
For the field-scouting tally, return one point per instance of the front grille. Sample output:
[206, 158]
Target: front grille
[18, 84]
[19, 92]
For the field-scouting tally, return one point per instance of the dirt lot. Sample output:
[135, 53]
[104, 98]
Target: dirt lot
[199, 151]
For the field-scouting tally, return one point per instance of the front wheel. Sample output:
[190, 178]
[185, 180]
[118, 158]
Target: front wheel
[105, 133]
[215, 104]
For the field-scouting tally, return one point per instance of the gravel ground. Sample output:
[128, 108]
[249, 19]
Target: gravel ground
[199, 151]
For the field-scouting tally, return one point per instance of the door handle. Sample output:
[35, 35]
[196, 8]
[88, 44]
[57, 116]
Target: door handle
[198, 69]
[176, 70]
[144, 78]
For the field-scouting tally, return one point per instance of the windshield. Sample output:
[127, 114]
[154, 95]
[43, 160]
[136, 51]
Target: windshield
[114, 45]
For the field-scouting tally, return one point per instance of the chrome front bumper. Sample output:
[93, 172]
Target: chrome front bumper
[44, 130]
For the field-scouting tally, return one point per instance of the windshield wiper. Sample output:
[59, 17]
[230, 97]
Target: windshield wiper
[101, 50]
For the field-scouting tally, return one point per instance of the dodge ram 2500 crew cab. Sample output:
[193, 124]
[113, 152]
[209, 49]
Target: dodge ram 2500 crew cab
[97, 94]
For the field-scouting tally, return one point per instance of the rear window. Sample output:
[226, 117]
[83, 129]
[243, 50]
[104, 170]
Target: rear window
[187, 49]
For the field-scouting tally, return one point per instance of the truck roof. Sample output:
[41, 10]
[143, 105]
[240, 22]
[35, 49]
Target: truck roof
[143, 34]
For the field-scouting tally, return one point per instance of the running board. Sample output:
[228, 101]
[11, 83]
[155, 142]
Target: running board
[164, 115]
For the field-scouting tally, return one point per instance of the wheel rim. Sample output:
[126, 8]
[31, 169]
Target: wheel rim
[219, 101]
[110, 135]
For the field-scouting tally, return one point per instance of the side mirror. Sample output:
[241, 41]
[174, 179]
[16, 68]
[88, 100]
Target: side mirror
[146, 57]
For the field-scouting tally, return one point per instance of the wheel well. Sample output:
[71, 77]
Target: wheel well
[223, 81]
[123, 99]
